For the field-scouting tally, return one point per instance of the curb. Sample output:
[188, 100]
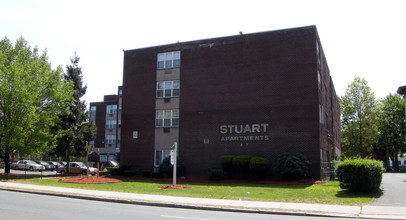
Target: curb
[185, 206]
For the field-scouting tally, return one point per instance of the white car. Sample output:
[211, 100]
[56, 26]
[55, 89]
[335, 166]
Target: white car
[27, 165]
[77, 168]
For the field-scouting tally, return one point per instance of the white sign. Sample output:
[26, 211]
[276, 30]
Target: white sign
[245, 132]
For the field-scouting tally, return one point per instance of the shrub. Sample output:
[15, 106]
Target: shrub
[124, 165]
[226, 162]
[259, 166]
[166, 168]
[215, 173]
[241, 164]
[113, 171]
[360, 175]
[293, 166]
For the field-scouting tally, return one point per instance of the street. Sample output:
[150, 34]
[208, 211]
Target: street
[16, 205]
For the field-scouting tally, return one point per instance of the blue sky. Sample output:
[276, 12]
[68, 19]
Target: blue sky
[359, 38]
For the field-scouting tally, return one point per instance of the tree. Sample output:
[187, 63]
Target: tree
[32, 96]
[76, 124]
[358, 119]
[392, 128]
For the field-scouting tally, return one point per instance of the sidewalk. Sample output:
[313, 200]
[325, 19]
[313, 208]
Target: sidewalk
[368, 211]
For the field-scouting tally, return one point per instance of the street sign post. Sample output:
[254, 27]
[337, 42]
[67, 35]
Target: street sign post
[174, 154]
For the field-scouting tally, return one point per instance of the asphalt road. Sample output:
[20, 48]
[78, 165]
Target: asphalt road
[17, 205]
[394, 189]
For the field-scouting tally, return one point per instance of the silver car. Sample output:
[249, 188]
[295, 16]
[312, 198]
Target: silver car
[76, 168]
[28, 165]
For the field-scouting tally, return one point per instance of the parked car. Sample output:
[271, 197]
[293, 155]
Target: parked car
[56, 164]
[47, 166]
[76, 168]
[63, 163]
[104, 164]
[27, 165]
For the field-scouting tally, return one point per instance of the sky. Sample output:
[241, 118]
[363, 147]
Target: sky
[359, 38]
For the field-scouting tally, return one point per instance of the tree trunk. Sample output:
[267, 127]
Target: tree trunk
[6, 158]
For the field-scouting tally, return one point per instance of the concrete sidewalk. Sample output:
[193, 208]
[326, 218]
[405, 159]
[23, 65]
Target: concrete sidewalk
[368, 211]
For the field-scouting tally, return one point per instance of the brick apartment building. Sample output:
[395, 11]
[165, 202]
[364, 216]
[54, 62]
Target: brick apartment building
[259, 94]
[107, 117]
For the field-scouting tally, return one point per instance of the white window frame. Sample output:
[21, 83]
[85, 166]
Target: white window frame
[168, 60]
[111, 109]
[111, 124]
[167, 118]
[162, 88]
[162, 154]
[110, 139]
[93, 110]
[321, 114]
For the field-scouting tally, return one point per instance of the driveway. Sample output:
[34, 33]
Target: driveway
[394, 188]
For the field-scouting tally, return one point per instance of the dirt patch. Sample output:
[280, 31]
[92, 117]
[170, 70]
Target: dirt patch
[91, 180]
[174, 187]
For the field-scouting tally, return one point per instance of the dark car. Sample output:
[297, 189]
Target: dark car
[56, 164]
[104, 164]
[47, 165]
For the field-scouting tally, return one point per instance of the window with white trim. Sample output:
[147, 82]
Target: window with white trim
[160, 155]
[168, 60]
[321, 112]
[167, 118]
[93, 110]
[110, 139]
[166, 89]
[111, 109]
[111, 124]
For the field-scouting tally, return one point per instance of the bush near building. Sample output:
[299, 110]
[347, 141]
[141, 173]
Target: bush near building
[360, 175]
[292, 166]
[259, 166]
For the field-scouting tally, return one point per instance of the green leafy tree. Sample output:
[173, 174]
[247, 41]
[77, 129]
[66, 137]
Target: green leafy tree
[32, 96]
[358, 119]
[392, 128]
[76, 124]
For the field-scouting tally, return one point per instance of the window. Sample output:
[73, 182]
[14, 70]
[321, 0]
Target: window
[168, 60]
[111, 124]
[319, 79]
[160, 155]
[93, 110]
[321, 113]
[111, 109]
[120, 92]
[167, 118]
[110, 139]
[167, 89]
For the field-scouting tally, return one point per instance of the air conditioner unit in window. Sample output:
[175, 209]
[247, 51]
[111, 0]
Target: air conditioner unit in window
[169, 70]
[167, 130]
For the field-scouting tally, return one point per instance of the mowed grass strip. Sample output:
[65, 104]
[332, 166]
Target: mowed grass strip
[326, 193]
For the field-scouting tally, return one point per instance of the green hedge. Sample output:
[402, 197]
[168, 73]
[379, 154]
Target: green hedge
[360, 175]
[259, 166]
[241, 165]
[293, 166]
[227, 163]
[166, 168]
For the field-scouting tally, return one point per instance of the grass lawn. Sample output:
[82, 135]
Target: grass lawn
[327, 193]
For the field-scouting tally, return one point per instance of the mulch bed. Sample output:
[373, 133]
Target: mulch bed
[91, 180]
[117, 179]
[174, 187]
